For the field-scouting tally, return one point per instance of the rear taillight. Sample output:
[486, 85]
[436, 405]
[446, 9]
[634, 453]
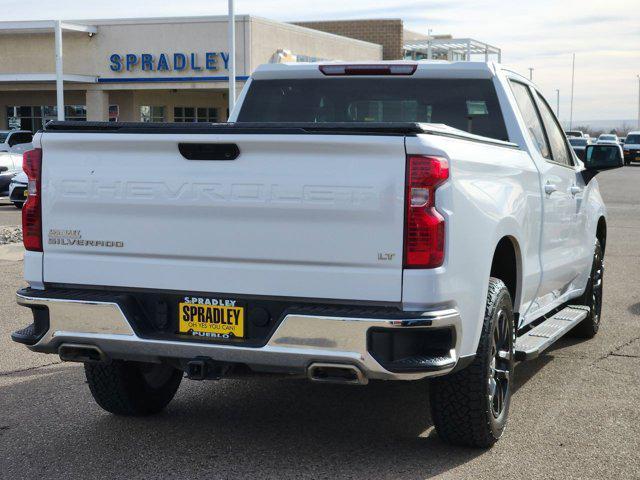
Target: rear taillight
[424, 231]
[32, 209]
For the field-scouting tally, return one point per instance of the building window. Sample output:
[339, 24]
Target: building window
[75, 112]
[195, 114]
[35, 117]
[151, 113]
[114, 113]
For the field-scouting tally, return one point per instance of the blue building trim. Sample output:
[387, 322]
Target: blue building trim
[239, 78]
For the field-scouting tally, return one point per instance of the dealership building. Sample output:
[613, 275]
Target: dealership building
[177, 69]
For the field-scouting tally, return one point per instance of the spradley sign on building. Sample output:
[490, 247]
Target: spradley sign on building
[165, 62]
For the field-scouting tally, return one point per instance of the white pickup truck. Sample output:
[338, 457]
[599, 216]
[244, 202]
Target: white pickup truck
[351, 223]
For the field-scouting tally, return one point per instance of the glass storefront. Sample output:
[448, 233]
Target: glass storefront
[195, 114]
[151, 113]
[35, 117]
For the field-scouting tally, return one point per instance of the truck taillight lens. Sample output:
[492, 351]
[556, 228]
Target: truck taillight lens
[32, 209]
[424, 231]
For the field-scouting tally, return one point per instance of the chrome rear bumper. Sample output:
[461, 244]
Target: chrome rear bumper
[298, 341]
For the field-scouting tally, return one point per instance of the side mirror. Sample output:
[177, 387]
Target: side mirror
[4, 169]
[598, 158]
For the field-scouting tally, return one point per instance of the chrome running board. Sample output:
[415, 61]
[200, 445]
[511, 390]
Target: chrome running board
[541, 337]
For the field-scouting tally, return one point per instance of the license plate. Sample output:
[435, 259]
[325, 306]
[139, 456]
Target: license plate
[211, 321]
[637, 159]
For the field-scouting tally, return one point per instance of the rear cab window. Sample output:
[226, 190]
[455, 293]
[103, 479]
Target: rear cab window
[470, 105]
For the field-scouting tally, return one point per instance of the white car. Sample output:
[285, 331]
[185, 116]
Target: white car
[632, 148]
[18, 189]
[579, 145]
[608, 139]
[16, 141]
[345, 234]
[10, 165]
[575, 134]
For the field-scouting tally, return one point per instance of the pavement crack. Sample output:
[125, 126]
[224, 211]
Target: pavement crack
[623, 355]
[614, 352]
[23, 370]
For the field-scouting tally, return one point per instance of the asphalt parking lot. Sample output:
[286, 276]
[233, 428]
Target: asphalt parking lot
[9, 215]
[575, 413]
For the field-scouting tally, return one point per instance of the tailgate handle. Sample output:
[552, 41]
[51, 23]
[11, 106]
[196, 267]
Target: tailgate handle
[209, 151]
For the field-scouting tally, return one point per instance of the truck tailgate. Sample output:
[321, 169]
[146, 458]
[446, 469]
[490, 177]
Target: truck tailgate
[295, 215]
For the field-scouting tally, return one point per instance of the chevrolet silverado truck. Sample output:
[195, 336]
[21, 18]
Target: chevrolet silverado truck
[351, 223]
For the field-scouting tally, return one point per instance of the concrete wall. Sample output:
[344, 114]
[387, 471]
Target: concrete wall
[28, 98]
[34, 52]
[386, 32]
[266, 37]
[168, 38]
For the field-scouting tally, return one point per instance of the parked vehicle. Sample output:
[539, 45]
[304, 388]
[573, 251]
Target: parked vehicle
[396, 221]
[16, 141]
[10, 165]
[607, 138]
[632, 148]
[575, 134]
[622, 140]
[18, 189]
[579, 146]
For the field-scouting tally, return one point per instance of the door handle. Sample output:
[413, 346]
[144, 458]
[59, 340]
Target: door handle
[549, 188]
[209, 151]
[575, 190]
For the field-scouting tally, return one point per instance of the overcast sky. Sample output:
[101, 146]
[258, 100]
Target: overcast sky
[537, 33]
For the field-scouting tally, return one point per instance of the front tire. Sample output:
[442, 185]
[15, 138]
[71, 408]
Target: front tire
[132, 388]
[592, 297]
[470, 407]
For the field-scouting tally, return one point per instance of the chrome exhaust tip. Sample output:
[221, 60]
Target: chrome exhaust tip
[73, 352]
[336, 373]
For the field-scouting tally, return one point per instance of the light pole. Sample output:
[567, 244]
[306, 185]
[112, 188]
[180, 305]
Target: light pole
[573, 75]
[558, 103]
[59, 74]
[531, 73]
[638, 101]
[232, 56]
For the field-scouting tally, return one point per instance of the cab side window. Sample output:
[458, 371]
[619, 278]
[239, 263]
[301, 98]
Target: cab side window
[531, 118]
[557, 140]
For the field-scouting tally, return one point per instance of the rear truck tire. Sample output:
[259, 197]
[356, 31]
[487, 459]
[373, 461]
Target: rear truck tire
[470, 407]
[132, 388]
[592, 297]
[18, 205]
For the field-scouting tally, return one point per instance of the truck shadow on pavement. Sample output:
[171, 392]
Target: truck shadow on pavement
[265, 428]
[634, 309]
